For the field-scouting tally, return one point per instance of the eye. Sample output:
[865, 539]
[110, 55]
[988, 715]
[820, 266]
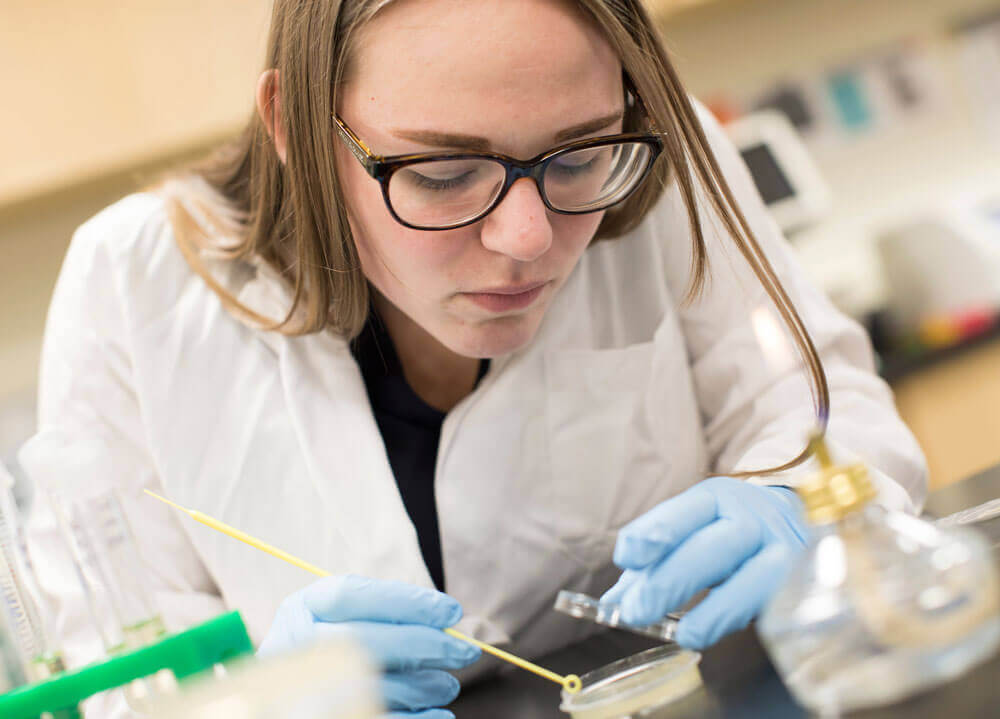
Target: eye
[574, 168]
[576, 163]
[430, 182]
[442, 175]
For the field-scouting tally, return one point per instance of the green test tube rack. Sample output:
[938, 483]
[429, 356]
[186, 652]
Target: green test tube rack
[186, 653]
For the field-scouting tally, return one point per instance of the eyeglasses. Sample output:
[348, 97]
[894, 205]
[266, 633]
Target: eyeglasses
[443, 191]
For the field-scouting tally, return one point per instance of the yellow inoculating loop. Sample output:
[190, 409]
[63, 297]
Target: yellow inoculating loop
[570, 682]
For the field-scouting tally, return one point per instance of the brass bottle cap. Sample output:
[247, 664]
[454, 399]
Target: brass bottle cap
[835, 490]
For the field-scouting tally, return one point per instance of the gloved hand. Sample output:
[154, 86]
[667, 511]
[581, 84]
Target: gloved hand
[722, 531]
[400, 626]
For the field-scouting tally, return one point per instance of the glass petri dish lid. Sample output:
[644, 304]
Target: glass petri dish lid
[636, 686]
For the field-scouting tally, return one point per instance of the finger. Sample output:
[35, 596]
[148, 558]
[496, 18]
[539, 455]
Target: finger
[405, 648]
[429, 714]
[348, 598]
[626, 580]
[707, 558]
[732, 605]
[293, 627]
[790, 529]
[423, 689]
[653, 535]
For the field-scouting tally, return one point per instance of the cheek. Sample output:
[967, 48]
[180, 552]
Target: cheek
[393, 256]
[574, 232]
[411, 257]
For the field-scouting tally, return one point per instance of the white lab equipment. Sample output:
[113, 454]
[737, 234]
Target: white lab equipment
[331, 680]
[787, 178]
[943, 260]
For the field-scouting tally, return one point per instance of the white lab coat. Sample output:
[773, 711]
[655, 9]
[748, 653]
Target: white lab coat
[625, 397]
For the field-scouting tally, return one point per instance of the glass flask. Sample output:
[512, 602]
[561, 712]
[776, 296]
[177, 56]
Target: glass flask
[882, 605]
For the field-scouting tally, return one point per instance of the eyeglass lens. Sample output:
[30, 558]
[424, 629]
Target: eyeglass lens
[445, 192]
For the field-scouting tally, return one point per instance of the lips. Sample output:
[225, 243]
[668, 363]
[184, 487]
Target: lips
[510, 289]
[507, 298]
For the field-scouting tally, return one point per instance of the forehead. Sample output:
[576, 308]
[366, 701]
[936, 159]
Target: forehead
[480, 65]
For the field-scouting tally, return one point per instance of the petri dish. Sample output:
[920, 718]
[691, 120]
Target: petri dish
[636, 687]
[608, 614]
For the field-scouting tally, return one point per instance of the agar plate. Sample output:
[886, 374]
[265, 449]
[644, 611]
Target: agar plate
[636, 687]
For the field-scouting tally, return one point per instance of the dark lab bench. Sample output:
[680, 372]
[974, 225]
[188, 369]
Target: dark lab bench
[739, 679]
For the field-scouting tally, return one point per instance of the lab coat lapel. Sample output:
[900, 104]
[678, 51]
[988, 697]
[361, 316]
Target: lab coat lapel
[341, 445]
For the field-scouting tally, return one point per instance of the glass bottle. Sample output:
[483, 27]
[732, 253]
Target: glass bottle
[882, 605]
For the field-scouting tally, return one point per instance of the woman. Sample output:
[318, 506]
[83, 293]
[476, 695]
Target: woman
[426, 370]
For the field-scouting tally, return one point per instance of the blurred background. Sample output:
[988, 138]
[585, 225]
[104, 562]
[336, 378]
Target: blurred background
[870, 126]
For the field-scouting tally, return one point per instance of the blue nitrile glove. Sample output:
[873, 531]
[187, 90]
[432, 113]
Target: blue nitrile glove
[400, 626]
[725, 533]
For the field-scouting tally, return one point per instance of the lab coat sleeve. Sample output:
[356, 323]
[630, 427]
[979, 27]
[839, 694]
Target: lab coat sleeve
[86, 385]
[753, 421]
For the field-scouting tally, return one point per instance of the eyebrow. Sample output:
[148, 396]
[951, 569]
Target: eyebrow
[481, 144]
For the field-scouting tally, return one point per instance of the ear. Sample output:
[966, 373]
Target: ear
[269, 108]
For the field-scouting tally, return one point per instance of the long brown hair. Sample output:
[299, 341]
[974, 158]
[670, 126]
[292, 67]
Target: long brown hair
[291, 215]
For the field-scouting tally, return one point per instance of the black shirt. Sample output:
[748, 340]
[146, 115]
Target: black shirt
[411, 431]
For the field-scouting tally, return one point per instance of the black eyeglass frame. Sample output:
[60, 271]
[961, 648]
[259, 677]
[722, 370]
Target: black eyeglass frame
[382, 168]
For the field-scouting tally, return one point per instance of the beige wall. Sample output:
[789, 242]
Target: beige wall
[105, 85]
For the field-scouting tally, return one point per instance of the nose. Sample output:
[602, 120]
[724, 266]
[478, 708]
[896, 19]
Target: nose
[519, 226]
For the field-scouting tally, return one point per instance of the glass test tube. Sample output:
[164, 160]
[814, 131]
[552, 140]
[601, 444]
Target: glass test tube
[11, 669]
[26, 620]
[111, 570]
[73, 469]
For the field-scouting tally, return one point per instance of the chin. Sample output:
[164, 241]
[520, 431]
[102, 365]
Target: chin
[495, 338]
